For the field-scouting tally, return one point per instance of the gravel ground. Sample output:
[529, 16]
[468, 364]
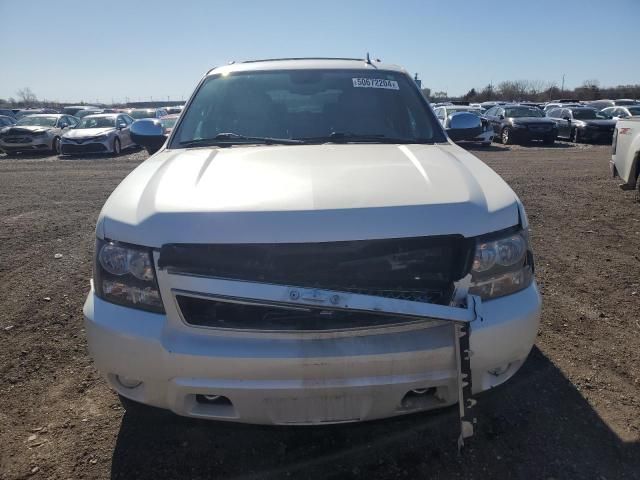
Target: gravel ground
[573, 410]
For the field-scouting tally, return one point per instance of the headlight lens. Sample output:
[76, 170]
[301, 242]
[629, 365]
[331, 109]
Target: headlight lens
[502, 265]
[124, 274]
[100, 138]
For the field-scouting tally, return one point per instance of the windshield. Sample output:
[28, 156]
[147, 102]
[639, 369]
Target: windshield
[584, 114]
[515, 112]
[308, 105]
[634, 110]
[97, 122]
[39, 121]
[138, 114]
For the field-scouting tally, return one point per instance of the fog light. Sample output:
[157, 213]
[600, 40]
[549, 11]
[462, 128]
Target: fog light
[499, 370]
[128, 382]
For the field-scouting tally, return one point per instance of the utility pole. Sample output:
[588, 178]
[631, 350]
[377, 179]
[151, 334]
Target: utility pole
[562, 89]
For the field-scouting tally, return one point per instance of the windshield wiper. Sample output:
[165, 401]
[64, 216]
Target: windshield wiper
[348, 137]
[231, 138]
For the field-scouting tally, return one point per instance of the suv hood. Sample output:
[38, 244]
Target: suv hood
[88, 132]
[307, 193]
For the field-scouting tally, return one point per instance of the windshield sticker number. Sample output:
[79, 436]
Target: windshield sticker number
[375, 83]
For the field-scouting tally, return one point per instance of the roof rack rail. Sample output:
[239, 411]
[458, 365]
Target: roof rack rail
[301, 58]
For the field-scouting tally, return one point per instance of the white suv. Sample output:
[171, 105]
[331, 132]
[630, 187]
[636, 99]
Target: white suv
[307, 247]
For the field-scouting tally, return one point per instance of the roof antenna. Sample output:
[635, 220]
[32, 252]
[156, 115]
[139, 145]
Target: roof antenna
[368, 59]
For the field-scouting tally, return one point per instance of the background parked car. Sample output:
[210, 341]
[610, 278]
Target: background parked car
[138, 113]
[582, 124]
[625, 102]
[168, 122]
[84, 113]
[600, 104]
[6, 121]
[8, 113]
[74, 109]
[39, 132]
[174, 109]
[34, 111]
[621, 112]
[445, 113]
[521, 123]
[108, 132]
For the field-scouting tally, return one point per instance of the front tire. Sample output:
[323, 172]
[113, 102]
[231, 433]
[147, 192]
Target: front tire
[548, 141]
[506, 137]
[117, 149]
[637, 190]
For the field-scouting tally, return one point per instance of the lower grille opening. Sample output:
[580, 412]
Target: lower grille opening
[214, 313]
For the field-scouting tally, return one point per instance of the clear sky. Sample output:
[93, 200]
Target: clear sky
[72, 50]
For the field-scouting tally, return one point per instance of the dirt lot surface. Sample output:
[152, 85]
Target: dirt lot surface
[573, 410]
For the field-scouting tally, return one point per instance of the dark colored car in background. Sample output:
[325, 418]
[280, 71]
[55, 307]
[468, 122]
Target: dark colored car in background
[6, 121]
[521, 123]
[8, 113]
[582, 124]
[74, 109]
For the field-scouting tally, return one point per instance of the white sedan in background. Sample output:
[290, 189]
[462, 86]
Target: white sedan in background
[444, 114]
[621, 112]
[102, 133]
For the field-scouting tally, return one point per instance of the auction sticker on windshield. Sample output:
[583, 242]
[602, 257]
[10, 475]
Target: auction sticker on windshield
[375, 83]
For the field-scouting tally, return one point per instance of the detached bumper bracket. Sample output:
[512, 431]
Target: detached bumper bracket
[467, 310]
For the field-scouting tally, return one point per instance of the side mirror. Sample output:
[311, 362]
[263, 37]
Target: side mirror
[567, 118]
[501, 117]
[464, 126]
[149, 133]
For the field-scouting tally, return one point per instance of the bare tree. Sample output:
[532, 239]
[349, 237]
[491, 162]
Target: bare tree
[25, 95]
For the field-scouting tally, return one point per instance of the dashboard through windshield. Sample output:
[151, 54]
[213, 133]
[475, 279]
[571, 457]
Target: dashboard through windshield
[309, 105]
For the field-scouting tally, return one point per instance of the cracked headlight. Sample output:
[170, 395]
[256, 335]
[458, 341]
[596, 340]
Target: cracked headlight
[503, 264]
[124, 274]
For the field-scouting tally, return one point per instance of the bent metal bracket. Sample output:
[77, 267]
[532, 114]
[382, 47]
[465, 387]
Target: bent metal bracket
[465, 309]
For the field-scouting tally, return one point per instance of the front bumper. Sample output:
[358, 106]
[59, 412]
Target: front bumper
[596, 135]
[72, 147]
[35, 144]
[306, 378]
[529, 133]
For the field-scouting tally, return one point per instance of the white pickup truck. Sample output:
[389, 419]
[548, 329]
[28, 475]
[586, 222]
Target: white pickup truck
[308, 246]
[625, 157]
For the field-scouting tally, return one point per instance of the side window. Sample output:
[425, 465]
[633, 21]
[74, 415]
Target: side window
[440, 113]
[499, 111]
[120, 122]
[62, 122]
[491, 112]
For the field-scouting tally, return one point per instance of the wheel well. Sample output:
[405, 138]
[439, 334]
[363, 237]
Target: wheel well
[634, 166]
